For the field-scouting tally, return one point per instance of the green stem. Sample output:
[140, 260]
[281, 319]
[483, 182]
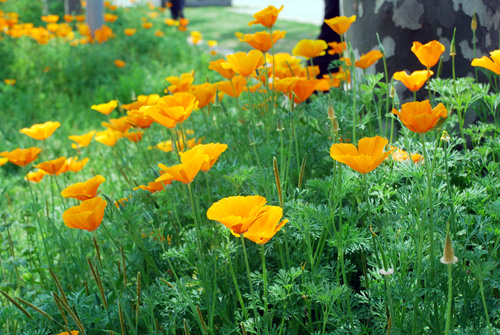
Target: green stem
[429, 196]
[256, 315]
[450, 297]
[481, 288]
[264, 274]
[237, 287]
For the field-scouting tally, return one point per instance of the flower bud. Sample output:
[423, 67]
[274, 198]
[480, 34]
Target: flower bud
[445, 136]
[473, 24]
[331, 112]
[280, 126]
[448, 252]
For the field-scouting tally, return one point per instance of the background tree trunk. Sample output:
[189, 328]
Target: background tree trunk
[400, 22]
[95, 14]
[72, 7]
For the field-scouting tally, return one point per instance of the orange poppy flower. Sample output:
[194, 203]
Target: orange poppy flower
[159, 33]
[119, 63]
[253, 88]
[262, 40]
[167, 145]
[369, 154]
[80, 18]
[153, 186]
[213, 150]
[73, 164]
[86, 216]
[310, 48]
[159, 117]
[121, 124]
[82, 140]
[147, 25]
[121, 202]
[171, 22]
[414, 81]
[3, 160]
[177, 107]
[103, 34]
[105, 108]
[22, 157]
[266, 17]
[368, 59]
[285, 65]
[183, 21]
[142, 100]
[419, 116]
[399, 155]
[52, 166]
[303, 89]
[266, 226]
[110, 17]
[68, 18]
[285, 85]
[191, 163]
[312, 70]
[195, 37]
[238, 83]
[244, 64]
[216, 66]
[492, 64]
[135, 136]
[204, 93]
[73, 332]
[428, 54]
[50, 18]
[35, 176]
[340, 24]
[237, 213]
[85, 190]
[10, 82]
[108, 137]
[337, 48]
[138, 118]
[41, 131]
[130, 31]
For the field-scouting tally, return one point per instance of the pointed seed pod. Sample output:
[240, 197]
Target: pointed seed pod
[448, 252]
[473, 24]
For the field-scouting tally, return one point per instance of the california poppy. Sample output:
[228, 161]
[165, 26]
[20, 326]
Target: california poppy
[41, 131]
[157, 115]
[82, 140]
[266, 226]
[399, 155]
[419, 116]
[204, 93]
[51, 167]
[235, 89]
[147, 25]
[177, 107]
[285, 65]
[303, 89]
[195, 37]
[159, 33]
[166, 146]
[105, 108]
[310, 48]
[428, 54]
[285, 85]
[262, 40]
[337, 48]
[73, 332]
[68, 18]
[108, 137]
[213, 150]
[130, 31]
[340, 24]
[414, 81]
[369, 154]
[171, 22]
[153, 186]
[142, 100]
[121, 202]
[237, 213]
[50, 18]
[181, 83]
[121, 124]
[110, 17]
[85, 190]
[102, 34]
[10, 82]
[35, 176]
[492, 64]
[266, 17]
[191, 163]
[135, 136]
[3, 160]
[368, 59]
[119, 63]
[73, 164]
[216, 66]
[22, 157]
[138, 118]
[244, 64]
[86, 216]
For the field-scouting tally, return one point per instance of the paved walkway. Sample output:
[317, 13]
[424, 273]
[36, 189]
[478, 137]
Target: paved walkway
[309, 11]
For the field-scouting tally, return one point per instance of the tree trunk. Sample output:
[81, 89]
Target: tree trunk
[95, 14]
[72, 7]
[400, 22]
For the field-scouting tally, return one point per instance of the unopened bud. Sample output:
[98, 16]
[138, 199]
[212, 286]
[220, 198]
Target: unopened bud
[280, 126]
[336, 127]
[331, 112]
[392, 92]
[453, 50]
[473, 24]
[380, 45]
[448, 252]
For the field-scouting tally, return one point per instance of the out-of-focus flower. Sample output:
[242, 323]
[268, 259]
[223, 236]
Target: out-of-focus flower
[41, 131]
[262, 40]
[233, 88]
[340, 24]
[216, 66]
[51, 167]
[130, 31]
[492, 64]
[119, 63]
[22, 157]
[35, 176]
[106, 108]
[266, 17]
[10, 82]
[310, 48]
[368, 59]
[108, 137]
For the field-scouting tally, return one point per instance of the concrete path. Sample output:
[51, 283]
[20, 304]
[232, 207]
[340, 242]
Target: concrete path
[308, 11]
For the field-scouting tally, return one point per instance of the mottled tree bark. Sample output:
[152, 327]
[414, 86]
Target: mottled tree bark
[400, 22]
[95, 14]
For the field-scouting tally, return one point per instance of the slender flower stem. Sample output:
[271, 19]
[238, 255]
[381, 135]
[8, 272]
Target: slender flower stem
[450, 194]
[264, 275]
[481, 288]
[431, 208]
[236, 286]
[450, 298]
[256, 315]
